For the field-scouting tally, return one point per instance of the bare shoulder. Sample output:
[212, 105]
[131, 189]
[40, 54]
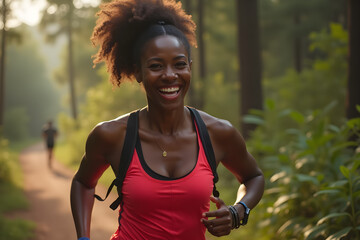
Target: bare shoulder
[105, 134]
[226, 140]
[102, 142]
[218, 127]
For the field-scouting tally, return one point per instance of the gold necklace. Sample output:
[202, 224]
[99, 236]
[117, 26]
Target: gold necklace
[164, 153]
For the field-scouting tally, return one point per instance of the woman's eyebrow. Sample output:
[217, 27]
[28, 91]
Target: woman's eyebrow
[179, 57]
[160, 59]
[154, 59]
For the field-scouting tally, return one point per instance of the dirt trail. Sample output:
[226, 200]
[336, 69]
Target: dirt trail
[48, 194]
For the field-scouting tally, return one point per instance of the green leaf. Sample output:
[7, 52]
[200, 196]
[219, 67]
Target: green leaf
[278, 176]
[328, 191]
[253, 120]
[270, 104]
[358, 108]
[272, 190]
[339, 183]
[285, 198]
[338, 235]
[334, 128]
[306, 178]
[285, 112]
[298, 117]
[283, 158]
[353, 123]
[329, 107]
[333, 215]
[345, 171]
[314, 231]
[320, 177]
[342, 146]
[256, 112]
[293, 131]
[356, 165]
[288, 224]
[356, 194]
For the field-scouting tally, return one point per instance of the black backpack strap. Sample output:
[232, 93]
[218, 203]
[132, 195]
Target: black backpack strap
[126, 157]
[209, 152]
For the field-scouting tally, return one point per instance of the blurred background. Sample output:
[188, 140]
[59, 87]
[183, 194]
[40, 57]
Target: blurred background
[285, 73]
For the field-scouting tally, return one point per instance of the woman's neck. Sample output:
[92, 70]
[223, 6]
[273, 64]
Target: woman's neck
[166, 122]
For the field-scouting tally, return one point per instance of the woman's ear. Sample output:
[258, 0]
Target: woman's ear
[137, 74]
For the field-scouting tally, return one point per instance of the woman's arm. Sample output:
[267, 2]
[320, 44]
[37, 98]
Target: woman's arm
[230, 149]
[83, 184]
[82, 200]
[244, 167]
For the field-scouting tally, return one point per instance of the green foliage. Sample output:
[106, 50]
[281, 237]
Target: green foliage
[218, 97]
[17, 229]
[342, 198]
[29, 88]
[220, 42]
[324, 82]
[12, 196]
[312, 170]
[4, 161]
[284, 21]
[304, 151]
[16, 122]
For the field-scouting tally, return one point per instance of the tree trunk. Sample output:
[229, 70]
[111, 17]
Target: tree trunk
[202, 60]
[191, 91]
[353, 91]
[2, 65]
[71, 65]
[249, 60]
[297, 45]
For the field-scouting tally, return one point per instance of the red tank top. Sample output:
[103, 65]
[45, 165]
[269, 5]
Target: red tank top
[154, 207]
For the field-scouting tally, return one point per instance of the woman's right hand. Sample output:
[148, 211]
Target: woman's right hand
[221, 222]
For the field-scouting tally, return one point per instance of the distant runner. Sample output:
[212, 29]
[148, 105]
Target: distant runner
[49, 134]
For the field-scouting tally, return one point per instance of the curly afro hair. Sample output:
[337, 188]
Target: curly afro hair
[123, 27]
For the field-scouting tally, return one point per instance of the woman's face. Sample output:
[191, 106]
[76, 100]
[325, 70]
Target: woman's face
[165, 72]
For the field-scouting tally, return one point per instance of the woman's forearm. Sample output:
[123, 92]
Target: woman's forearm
[251, 191]
[82, 202]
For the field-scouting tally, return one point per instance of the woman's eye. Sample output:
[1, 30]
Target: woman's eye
[181, 64]
[155, 66]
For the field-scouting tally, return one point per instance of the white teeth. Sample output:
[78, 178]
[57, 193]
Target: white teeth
[169, 90]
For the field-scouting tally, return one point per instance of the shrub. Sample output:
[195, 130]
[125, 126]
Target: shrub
[312, 172]
[4, 160]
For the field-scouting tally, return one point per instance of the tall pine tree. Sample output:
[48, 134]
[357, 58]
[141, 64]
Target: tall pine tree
[353, 91]
[249, 59]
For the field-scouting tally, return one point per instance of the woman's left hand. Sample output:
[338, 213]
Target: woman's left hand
[221, 222]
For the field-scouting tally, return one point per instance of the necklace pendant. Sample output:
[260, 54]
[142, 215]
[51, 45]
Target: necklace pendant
[164, 153]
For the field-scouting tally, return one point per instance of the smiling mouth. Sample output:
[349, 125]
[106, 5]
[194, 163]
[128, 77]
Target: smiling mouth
[169, 92]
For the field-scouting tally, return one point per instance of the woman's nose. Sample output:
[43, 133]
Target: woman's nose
[169, 73]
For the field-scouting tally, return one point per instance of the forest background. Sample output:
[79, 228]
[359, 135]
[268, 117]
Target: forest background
[305, 141]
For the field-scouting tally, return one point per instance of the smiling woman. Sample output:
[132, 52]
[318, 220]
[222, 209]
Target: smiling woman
[165, 58]
[164, 155]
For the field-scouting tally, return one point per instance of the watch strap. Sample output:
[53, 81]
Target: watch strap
[246, 214]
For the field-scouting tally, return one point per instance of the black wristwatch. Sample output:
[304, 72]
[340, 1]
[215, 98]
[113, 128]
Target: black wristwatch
[246, 215]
